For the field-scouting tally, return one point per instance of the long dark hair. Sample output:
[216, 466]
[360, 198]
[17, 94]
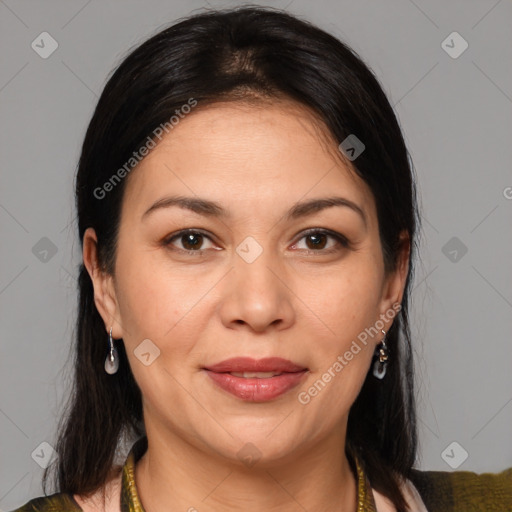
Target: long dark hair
[235, 54]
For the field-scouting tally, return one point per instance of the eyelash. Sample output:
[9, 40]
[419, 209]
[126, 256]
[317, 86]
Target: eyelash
[340, 239]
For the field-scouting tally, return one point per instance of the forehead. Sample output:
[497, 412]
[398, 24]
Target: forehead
[252, 154]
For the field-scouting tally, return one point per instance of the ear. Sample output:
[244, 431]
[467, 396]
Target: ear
[103, 283]
[394, 284]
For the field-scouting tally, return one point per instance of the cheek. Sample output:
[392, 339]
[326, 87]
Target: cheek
[162, 303]
[346, 301]
[151, 300]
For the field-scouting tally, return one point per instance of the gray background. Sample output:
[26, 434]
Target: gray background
[456, 117]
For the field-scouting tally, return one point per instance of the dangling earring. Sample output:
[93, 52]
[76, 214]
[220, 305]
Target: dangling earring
[112, 359]
[380, 366]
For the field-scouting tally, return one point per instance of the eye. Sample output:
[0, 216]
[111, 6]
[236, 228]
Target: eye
[316, 240]
[190, 239]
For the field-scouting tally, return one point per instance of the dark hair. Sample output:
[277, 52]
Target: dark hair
[238, 54]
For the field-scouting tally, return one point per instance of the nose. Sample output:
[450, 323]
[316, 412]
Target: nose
[258, 295]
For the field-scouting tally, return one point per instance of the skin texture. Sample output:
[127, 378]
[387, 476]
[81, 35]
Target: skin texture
[297, 300]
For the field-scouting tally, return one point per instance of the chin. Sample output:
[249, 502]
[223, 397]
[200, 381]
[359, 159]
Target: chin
[261, 448]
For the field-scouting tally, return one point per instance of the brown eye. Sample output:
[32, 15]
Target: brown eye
[317, 240]
[190, 240]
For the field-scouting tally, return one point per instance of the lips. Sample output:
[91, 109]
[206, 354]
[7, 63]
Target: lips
[247, 364]
[256, 380]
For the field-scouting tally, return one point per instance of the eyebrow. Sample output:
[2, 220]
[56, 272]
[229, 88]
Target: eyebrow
[212, 209]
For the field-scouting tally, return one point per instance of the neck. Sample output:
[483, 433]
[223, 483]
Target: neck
[175, 474]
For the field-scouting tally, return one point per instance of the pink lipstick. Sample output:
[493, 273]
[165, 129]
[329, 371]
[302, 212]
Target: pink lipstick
[256, 380]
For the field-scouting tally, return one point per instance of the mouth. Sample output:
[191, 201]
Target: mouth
[248, 364]
[255, 380]
[256, 375]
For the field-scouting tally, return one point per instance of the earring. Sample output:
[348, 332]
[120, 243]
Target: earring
[112, 359]
[380, 366]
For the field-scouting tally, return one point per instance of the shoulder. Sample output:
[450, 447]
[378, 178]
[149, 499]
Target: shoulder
[58, 502]
[449, 491]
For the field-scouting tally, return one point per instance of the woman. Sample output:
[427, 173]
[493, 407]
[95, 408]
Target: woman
[248, 219]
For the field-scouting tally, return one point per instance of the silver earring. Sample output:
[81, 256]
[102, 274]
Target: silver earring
[112, 359]
[380, 366]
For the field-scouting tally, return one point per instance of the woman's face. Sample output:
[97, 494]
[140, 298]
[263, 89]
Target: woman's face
[248, 281]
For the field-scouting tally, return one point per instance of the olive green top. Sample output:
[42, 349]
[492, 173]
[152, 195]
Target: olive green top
[441, 491]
